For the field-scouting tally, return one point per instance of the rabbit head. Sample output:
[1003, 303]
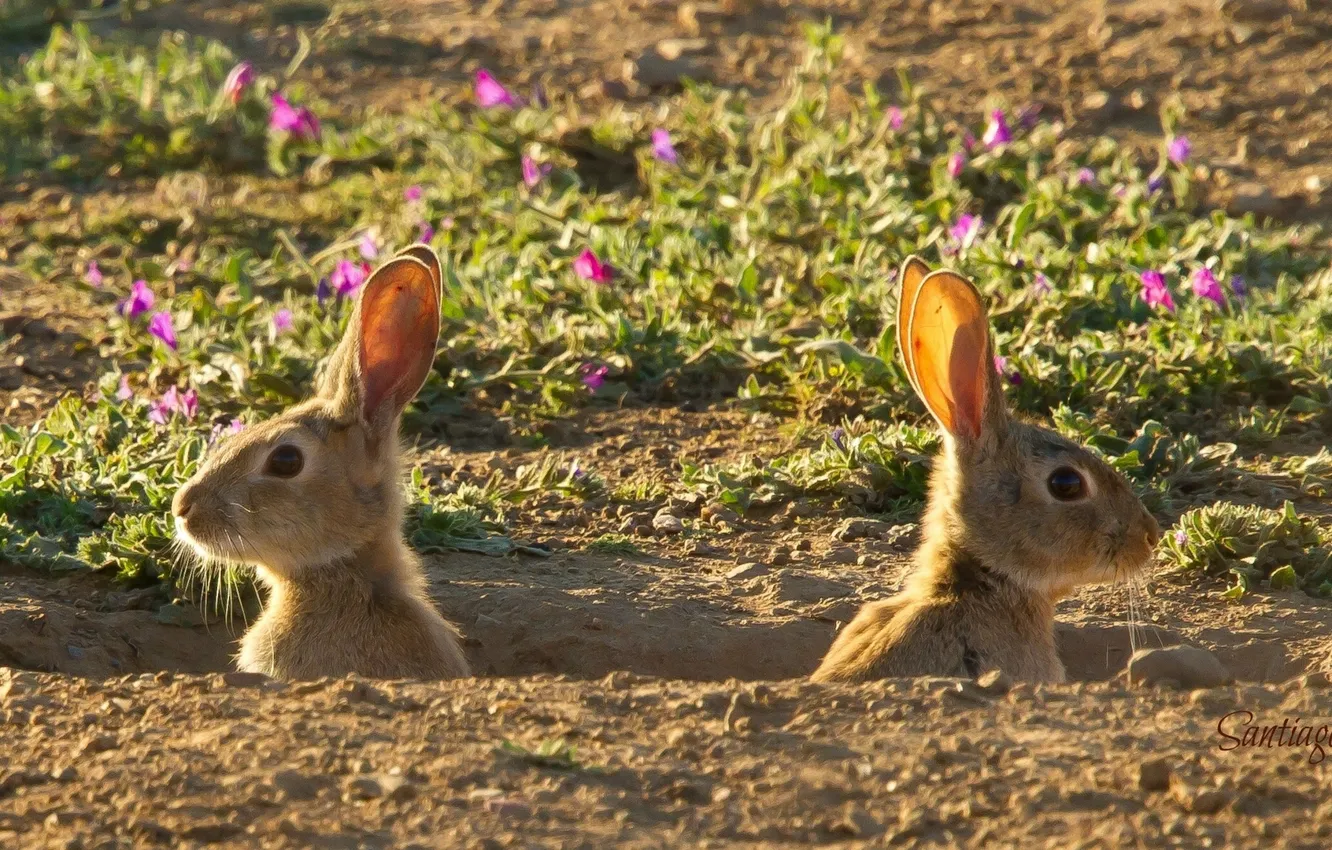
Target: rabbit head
[320, 482]
[1028, 503]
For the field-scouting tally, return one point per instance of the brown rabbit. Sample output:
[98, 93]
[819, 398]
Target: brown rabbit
[1018, 516]
[313, 499]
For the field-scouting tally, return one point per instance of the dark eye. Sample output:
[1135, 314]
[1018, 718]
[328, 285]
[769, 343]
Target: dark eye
[1066, 484]
[285, 462]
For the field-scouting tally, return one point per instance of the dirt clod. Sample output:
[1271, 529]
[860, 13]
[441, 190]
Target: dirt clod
[1154, 775]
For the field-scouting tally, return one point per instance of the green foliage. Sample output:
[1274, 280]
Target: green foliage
[871, 466]
[1252, 545]
[760, 268]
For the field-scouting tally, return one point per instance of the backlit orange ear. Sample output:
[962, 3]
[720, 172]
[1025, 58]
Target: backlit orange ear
[912, 275]
[427, 255]
[399, 327]
[949, 338]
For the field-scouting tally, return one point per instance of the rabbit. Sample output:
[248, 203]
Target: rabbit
[1017, 517]
[312, 499]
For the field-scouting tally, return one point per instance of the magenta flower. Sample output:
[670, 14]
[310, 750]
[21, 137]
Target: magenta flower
[347, 277]
[589, 267]
[412, 193]
[425, 232]
[490, 93]
[1180, 537]
[140, 300]
[282, 321]
[237, 81]
[189, 404]
[123, 392]
[286, 118]
[161, 326]
[662, 148]
[1040, 284]
[162, 409]
[965, 230]
[1205, 285]
[1154, 291]
[367, 246]
[1086, 177]
[593, 375]
[93, 277]
[895, 118]
[956, 163]
[235, 426]
[1001, 368]
[1178, 149]
[1238, 286]
[159, 412]
[533, 171]
[997, 133]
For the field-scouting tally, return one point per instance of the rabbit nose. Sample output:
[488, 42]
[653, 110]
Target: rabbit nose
[182, 502]
[1153, 530]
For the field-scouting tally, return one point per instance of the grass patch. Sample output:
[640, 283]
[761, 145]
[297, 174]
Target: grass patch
[756, 267]
[1255, 546]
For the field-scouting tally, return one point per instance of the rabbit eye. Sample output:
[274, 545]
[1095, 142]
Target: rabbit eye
[1066, 484]
[285, 462]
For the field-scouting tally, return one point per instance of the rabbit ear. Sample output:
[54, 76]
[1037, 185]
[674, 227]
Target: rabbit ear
[910, 278]
[426, 254]
[949, 339]
[396, 327]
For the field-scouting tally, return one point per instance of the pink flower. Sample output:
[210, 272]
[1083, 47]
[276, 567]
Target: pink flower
[533, 172]
[997, 133]
[956, 163]
[1205, 285]
[347, 277]
[490, 93]
[237, 81]
[1178, 149]
[123, 392]
[589, 267]
[968, 141]
[1154, 291]
[160, 326]
[593, 375]
[1085, 177]
[282, 321]
[895, 118]
[140, 301]
[93, 277]
[235, 426]
[168, 404]
[1040, 284]
[189, 404]
[1001, 367]
[369, 250]
[412, 193]
[965, 230]
[425, 232]
[662, 148]
[284, 117]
